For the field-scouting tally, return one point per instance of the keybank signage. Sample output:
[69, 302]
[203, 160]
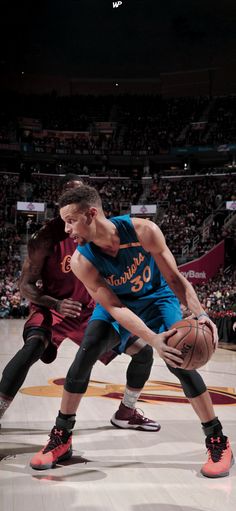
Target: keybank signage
[204, 268]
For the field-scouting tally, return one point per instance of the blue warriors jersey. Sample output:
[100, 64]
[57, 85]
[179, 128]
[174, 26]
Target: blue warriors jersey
[134, 276]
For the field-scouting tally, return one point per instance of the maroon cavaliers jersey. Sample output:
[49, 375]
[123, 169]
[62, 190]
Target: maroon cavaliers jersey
[57, 278]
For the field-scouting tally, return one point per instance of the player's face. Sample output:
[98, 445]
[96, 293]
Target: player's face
[78, 224]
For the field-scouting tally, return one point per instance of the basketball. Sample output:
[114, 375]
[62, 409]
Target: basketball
[194, 341]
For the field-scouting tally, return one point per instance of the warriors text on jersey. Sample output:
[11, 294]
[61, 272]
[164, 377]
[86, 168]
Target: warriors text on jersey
[134, 276]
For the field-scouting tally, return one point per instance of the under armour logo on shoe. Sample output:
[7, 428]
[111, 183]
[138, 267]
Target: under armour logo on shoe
[215, 440]
[58, 432]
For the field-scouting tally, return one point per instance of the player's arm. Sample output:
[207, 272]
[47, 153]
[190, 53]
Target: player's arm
[101, 293]
[39, 248]
[38, 251]
[153, 241]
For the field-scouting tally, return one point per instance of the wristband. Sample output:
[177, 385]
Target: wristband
[202, 314]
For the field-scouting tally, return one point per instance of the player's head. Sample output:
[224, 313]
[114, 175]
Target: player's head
[69, 181]
[79, 208]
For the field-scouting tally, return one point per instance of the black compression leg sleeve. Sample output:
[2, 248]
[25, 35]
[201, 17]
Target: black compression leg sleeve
[99, 338]
[139, 368]
[191, 381]
[16, 370]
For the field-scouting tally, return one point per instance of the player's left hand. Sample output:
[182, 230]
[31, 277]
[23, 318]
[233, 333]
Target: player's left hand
[69, 308]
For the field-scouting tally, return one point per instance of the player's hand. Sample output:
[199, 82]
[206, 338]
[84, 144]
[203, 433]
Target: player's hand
[171, 356]
[204, 319]
[69, 308]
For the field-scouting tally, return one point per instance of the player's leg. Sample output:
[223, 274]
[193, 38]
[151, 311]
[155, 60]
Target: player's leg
[138, 372]
[100, 337]
[139, 369]
[36, 340]
[220, 457]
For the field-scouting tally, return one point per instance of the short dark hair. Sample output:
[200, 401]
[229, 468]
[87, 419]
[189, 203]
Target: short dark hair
[70, 177]
[85, 196]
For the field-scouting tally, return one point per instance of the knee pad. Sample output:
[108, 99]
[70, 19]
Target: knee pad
[36, 340]
[34, 333]
[139, 368]
[37, 334]
[191, 381]
[99, 338]
[77, 378]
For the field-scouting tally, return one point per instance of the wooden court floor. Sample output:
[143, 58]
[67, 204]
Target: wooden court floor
[113, 469]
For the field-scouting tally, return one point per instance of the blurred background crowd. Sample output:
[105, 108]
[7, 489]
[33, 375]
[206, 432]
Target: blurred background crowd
[135, 151]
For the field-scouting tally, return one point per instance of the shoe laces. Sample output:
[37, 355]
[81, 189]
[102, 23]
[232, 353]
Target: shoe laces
[139, 414]
[57, 437]
[216, 446]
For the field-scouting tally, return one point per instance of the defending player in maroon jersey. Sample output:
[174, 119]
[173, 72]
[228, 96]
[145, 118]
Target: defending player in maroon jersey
[60, 306]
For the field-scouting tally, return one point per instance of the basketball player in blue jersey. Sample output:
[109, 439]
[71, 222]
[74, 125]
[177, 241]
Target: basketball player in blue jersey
[131, 274]
[59, 309]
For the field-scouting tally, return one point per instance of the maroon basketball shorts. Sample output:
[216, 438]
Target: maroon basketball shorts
[59, 327]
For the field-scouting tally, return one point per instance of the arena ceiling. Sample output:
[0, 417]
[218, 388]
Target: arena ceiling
[98, 38]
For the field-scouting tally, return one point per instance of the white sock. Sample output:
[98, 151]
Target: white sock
[130, 397]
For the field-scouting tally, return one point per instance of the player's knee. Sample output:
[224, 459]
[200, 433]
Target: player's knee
[144, 356]
[76, 384]
[36, 335]
[78, 375]
[79, 372]
[99, 338]
[90, 351]
[139, 368]
[35, 343]
[191, 381]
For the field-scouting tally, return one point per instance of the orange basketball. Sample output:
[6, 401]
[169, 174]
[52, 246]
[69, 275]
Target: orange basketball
[194, 341]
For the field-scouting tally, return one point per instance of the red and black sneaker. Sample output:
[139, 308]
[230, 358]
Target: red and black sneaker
[220, 457]
[130, 418]
[58, 448]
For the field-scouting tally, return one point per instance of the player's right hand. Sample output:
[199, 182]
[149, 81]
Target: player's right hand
[171, 356]
[69, 308]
